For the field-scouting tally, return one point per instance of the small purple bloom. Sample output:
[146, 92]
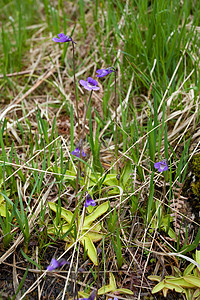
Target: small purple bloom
[198, 247]
[90, 84]
[89, 201]
[161, 165]
[62, 38]
[104, 72]
[91, 297]
[115, 298]
[77, 152]
[56, 264]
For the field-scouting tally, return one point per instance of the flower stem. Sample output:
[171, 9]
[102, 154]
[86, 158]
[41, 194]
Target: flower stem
[116, 134]
[98, 278]
[75, 89]
[81, 148]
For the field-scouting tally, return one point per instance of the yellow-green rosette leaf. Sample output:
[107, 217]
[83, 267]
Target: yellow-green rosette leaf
[95, 237]
[180, 282]
[100, 210]
[3, 210]
[83, 295]
[105, 289]
[175, 287]
[112, 282]
[125, 291]
[96, 228]
[1, 199]
[189, 269]
[154, 278]
[158, 287]
[197, 254]
[165, 286]
[90, 248]
[193, 280]
[65, 214]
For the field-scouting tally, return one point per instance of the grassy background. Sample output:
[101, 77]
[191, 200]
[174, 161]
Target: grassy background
[154, 45]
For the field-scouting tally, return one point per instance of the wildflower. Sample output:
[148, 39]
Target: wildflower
[77, 152]
[198, 247]
[161, 165]
[89, 201]
[104, 72]
[90, 84]
[115, 298]
[63, 38]
[91, 297]
[56, 264]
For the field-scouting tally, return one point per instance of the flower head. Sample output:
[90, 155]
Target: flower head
[89, 201]
[198, 247]
[91, 297]
[161, 165]
[62, 38]
[104, 72]
[56, 264]
[115, 298]
[90, 84]
[77, 152]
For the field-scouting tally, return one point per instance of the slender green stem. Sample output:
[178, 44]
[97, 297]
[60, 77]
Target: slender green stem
[81, 147]
[98, 278]
[116, 134]
[164, 185]
[75, 89]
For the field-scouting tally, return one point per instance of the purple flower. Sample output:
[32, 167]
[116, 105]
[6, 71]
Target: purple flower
[89, 201]
[91, 297]
[161, 165]
[90, 84]
[104, 72]
[56, 264]
[77, 152]
[115, 298]
[198, 247]
[63, 38]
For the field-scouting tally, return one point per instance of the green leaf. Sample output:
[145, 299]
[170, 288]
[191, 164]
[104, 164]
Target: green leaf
[125, 291]
[126, 172]
[100, 210]
[3, 210]
[189, 269]
[96, 228]
[175, 287]
[1, 199]
[62, 229]
[180, 282]
[197, 254]
[158, 287]
[30, 260]
[154, 278]
[83, 295]
[65, 214]
[90, 248]
[112, 282]
[105, 289]
[95, 237]
[110, 180]
[196, 293]
[193, 280]
[21, 284]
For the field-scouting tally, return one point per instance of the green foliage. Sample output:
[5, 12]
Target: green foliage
[89, 232]
[118, 248]
[187, 283]
[112, 287]
[154, 46]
